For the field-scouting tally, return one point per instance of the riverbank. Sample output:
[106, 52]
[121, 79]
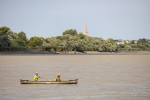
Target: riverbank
[82, 53]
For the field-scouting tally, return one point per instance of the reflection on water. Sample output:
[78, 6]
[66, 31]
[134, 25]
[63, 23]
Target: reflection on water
[100, 76]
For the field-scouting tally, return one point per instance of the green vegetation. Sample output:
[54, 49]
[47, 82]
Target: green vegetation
[35, 41]
[81, 43]
[142, 45]
[70, 41]
[11, 41]
[13, 48]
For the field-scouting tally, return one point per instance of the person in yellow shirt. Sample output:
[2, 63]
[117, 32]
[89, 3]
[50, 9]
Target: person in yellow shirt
[36, 77]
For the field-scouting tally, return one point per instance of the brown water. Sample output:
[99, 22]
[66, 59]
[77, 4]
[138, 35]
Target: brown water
[100, 77]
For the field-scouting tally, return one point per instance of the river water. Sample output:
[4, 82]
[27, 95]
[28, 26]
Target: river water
[100, 77]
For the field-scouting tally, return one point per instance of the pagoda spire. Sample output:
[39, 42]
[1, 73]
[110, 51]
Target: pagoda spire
[85, 30]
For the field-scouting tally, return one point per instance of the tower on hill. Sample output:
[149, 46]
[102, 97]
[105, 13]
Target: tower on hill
[85, 30]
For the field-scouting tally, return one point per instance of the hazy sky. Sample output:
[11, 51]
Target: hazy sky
[117, 19]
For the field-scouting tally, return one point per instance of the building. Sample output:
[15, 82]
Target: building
[135, 41]
[85, 30]
[127, 41]
[119, 42]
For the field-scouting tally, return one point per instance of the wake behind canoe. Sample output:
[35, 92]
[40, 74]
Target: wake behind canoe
[48, 82]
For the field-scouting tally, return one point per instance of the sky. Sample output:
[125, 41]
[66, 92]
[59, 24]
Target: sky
[117, 19]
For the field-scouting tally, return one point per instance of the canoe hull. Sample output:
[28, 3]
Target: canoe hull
[48, 82]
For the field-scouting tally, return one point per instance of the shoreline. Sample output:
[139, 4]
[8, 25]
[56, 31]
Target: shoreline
[77, 53]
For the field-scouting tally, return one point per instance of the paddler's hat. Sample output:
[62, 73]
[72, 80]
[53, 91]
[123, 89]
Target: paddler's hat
[36, 72]
[58, 74]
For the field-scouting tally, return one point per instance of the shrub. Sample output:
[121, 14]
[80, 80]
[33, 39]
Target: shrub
[13, 48]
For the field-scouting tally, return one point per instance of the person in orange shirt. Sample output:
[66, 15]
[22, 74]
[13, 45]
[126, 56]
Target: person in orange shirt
[58, 78]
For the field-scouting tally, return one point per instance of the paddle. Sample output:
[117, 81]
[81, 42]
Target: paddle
[47, 79]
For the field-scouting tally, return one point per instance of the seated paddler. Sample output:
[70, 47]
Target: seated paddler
[36, 77]
[58, 78]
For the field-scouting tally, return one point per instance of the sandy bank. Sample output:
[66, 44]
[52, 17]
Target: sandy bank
[82, 53]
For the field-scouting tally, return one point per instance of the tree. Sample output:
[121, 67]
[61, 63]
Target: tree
[134, 46]
[67, 37]
[81, 35]
[132, 42]
[82, 45]
[4, 30]
[20, 39]
[121, 45]
[5, 41]
[116, 40]
[100, 49]
[53, 42]
[110, 45]
[35, 41]
[128, 47]
[22, 36]
[142, 41]
[19, 42]
[72, 32]
[148, 41]
[46, 44]
[7, 36]
[147, 45]
[114, 48]
[59, 37]
[73, 42]
[1, 44]
[125, 43]
[111, 41]
[12, 35]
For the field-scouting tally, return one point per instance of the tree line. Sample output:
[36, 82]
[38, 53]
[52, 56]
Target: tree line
[70, 39]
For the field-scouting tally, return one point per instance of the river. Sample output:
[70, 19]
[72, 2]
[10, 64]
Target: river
[100, 77]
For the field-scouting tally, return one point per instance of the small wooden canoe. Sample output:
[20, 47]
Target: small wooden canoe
[75, 81]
